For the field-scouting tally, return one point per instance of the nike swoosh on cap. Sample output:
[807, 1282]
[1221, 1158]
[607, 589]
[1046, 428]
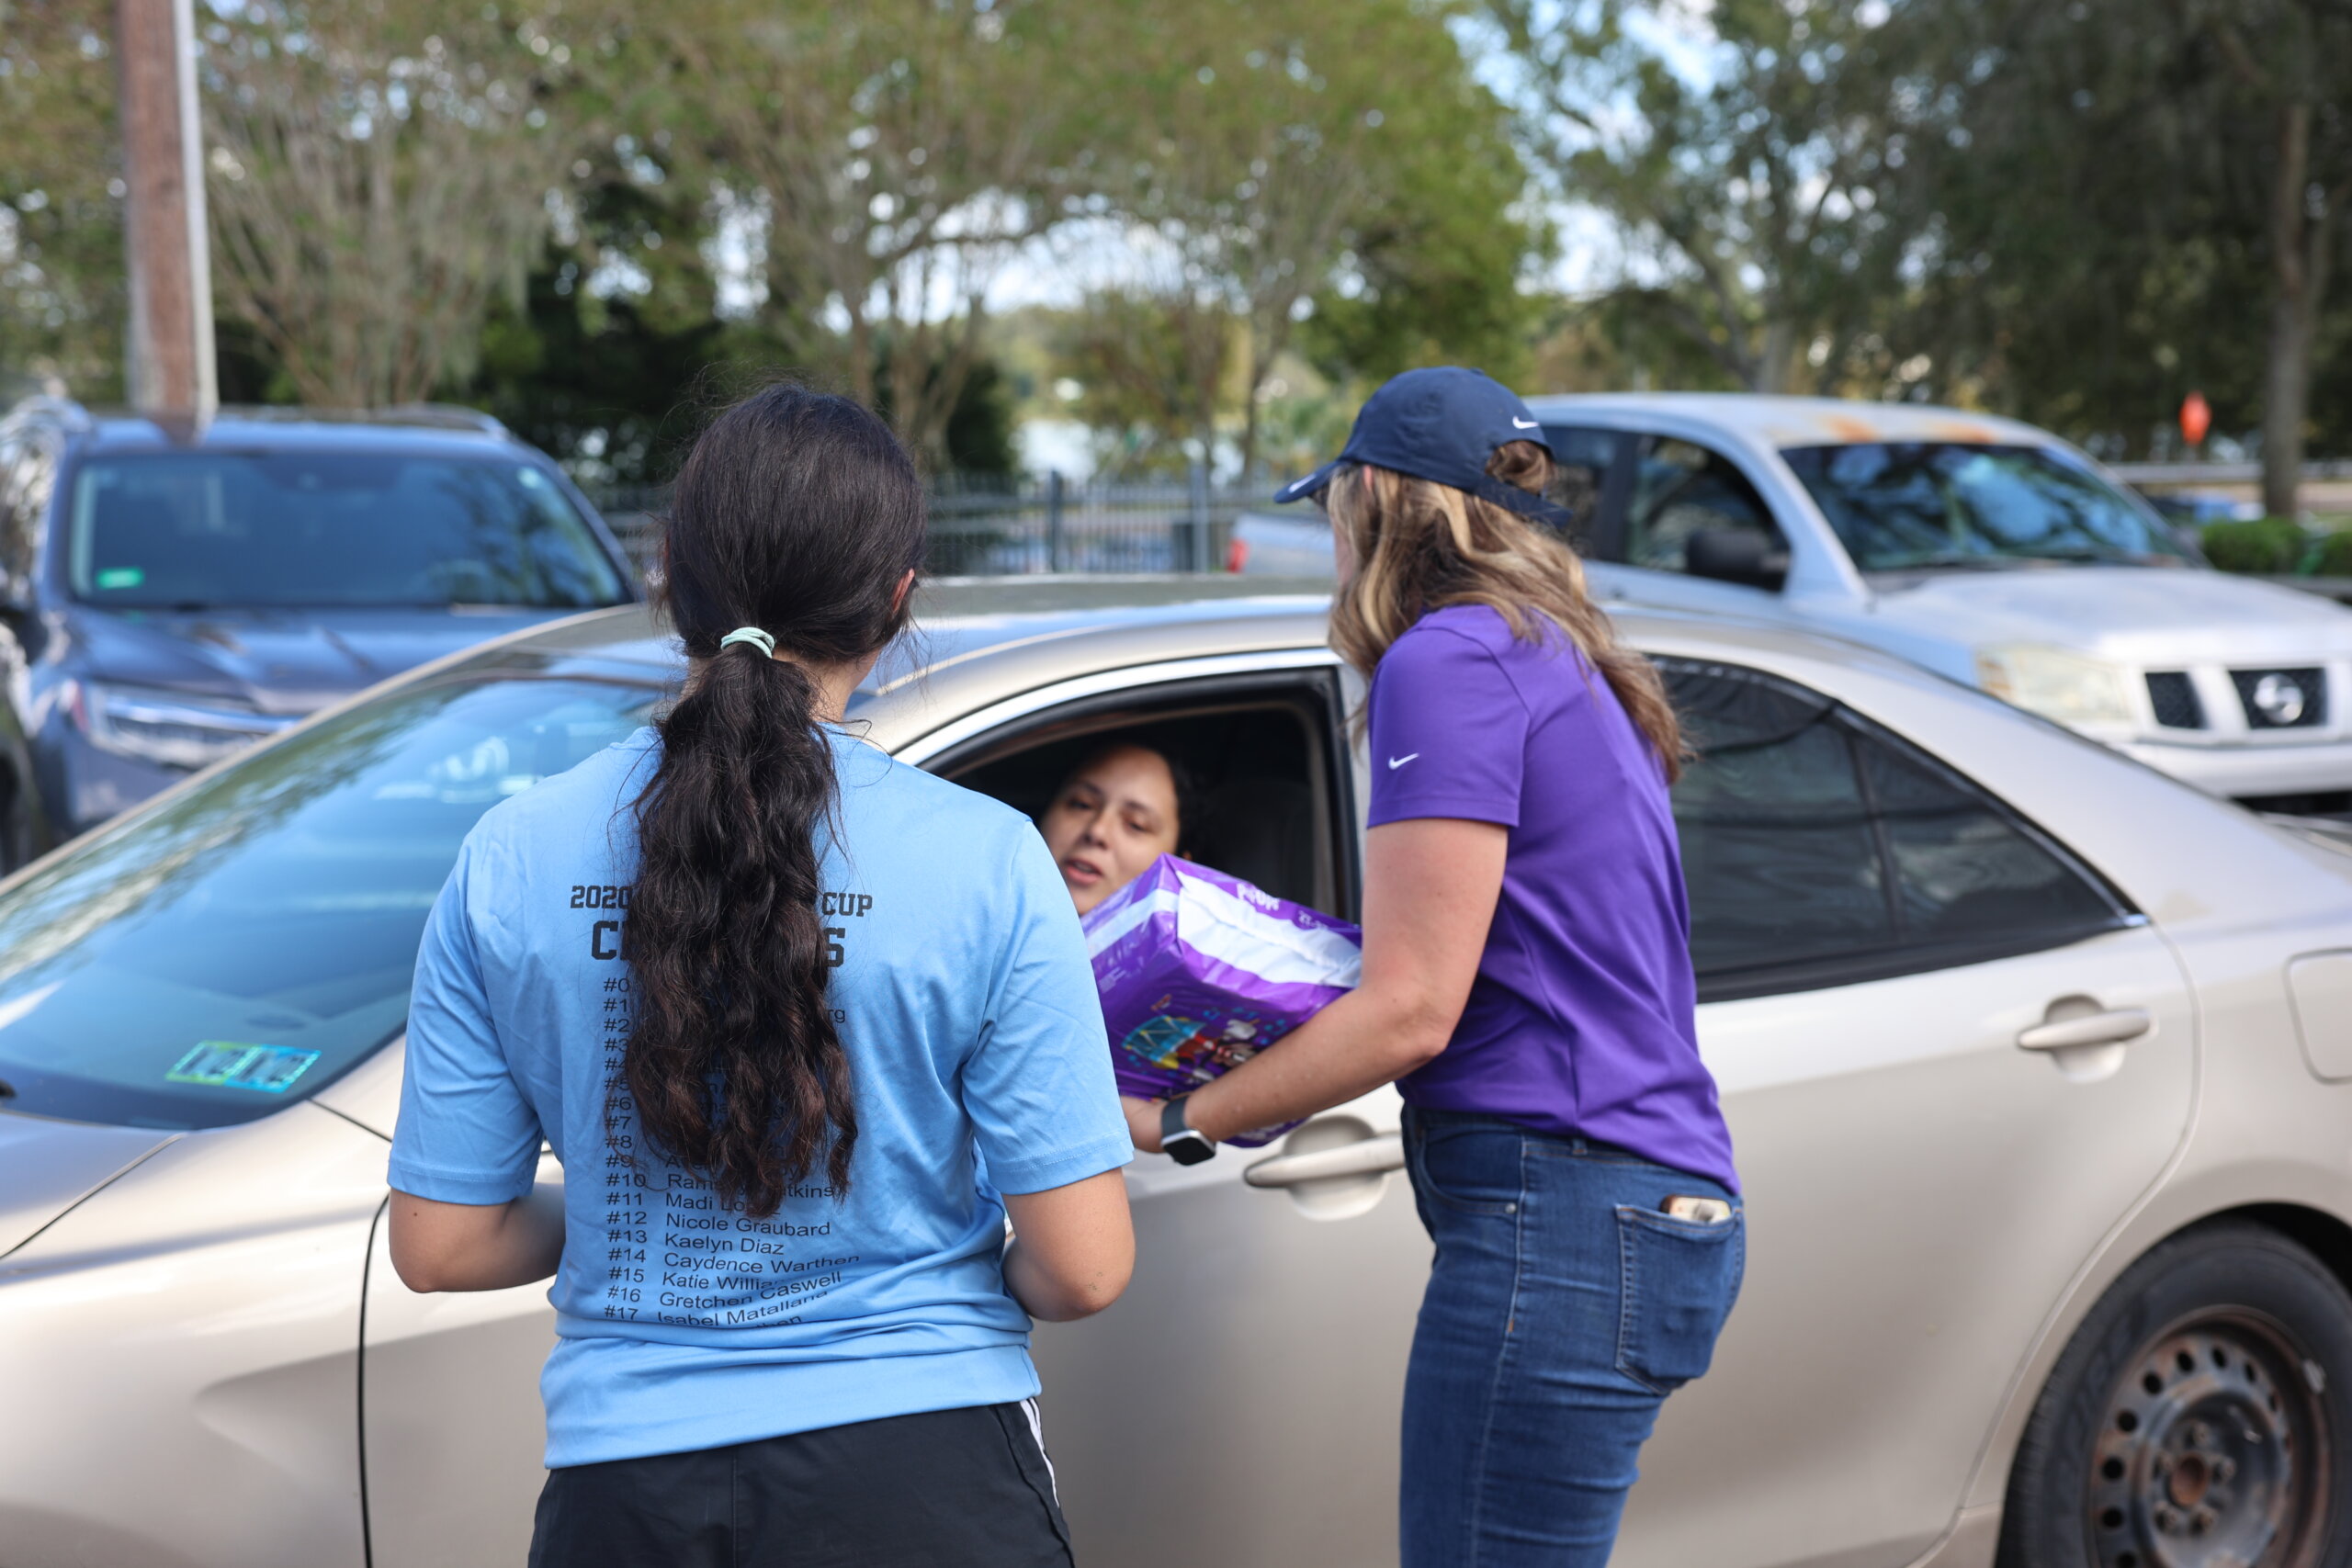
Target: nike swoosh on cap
[1519, 423]
[1395, 763]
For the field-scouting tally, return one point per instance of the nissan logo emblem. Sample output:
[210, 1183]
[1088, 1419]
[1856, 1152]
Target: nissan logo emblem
[2279, 698]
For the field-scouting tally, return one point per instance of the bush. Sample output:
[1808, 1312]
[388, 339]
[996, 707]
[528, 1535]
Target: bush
[2334, 556]
[2267, 546]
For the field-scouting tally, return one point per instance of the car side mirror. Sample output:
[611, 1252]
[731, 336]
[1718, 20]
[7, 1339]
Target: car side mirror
[1737, 555]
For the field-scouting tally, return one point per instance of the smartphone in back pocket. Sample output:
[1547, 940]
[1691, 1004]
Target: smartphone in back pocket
[1698, 1210]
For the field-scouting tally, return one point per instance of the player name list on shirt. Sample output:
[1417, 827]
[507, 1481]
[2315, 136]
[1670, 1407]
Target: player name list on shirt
[673, 1253]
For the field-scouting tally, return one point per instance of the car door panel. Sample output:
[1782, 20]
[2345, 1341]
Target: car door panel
[1242, 1400]
[180, 1364]
[1920, 1191]
[453, 1435]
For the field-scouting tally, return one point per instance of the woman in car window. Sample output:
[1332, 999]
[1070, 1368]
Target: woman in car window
[1527, 984]
[1119, 810]
[792, 1015]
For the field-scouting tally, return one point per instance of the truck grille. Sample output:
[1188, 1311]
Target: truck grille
[2175, 700]
[2282, 699]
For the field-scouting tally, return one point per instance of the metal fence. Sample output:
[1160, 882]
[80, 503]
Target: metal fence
[1018, 528]
[2137, 474]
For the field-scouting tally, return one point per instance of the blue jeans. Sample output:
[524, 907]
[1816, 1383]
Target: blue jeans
[1562, 1308]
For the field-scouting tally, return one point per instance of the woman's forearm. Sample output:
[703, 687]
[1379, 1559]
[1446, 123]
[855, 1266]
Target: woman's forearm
[1361, 1041]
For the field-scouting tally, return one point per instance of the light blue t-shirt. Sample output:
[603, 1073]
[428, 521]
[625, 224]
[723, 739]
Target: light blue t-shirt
[966, 1005]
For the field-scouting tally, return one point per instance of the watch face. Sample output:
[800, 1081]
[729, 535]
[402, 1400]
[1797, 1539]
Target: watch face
[1188, 1147]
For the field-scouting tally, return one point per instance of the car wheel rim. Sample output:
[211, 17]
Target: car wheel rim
[2212, 1451]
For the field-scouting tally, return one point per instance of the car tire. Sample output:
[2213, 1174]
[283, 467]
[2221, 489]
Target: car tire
[2201, 1417]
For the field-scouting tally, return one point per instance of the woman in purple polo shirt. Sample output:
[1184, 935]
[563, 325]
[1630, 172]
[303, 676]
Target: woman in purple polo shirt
[1526, 984]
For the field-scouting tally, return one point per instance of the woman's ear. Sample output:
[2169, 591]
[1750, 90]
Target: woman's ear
[906, 586]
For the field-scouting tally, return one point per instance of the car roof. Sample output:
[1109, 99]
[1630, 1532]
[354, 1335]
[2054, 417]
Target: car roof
[1796, 422]
[420, 432]
[975, 637]
[980, 641]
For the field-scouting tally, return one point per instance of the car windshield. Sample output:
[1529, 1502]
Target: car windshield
[304, 529]
[1903, 506]
[243, 945]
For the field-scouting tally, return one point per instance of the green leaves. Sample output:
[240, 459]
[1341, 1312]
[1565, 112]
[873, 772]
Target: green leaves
[1296, 177]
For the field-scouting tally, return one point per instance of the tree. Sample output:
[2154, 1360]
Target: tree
[379, 173]
[1749, 193]
[903, 149]
[1434, 266]
[1285, 160]
[2112, 189]
[2286, 61]
[60, 222]
[617, 328]
[1256, 146]
[1152, 365]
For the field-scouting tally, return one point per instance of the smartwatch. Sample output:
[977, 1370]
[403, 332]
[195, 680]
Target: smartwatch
[1185, 1145]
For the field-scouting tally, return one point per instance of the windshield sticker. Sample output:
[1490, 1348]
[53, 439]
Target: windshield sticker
[121, 577]
[232, 1064]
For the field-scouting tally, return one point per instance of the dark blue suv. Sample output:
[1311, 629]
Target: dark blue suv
[170, 594]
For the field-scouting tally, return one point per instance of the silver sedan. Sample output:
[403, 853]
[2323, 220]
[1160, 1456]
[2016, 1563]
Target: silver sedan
[2038, 1065]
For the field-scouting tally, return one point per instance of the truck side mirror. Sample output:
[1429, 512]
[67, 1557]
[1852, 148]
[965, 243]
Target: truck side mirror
[1737, 555]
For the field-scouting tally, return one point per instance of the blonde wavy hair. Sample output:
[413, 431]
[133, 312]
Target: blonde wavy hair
[1419, 545]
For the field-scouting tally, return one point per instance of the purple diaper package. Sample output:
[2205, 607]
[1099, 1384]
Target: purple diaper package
[1200, 970]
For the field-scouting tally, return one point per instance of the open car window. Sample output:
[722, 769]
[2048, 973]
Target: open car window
[1819, 850]
[1265, 756]
[248, 940]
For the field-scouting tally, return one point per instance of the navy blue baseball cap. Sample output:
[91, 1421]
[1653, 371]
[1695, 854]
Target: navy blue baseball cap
[1442, 424]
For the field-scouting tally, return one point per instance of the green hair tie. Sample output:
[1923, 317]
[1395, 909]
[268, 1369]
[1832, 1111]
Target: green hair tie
[752, 634]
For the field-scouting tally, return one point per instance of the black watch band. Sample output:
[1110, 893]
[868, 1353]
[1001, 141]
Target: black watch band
[1185, 1145]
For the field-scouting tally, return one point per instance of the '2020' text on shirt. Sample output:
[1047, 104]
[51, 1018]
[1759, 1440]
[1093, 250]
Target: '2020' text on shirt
[1580, 1021]
[966, 1002]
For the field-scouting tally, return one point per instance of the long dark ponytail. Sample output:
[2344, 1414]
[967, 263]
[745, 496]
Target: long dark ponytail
[799, 514]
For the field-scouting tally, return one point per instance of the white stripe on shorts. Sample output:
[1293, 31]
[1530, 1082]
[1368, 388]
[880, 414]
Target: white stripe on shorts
[1037, 1431]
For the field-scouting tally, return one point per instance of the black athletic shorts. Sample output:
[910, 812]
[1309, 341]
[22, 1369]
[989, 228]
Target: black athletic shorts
[945, 1489]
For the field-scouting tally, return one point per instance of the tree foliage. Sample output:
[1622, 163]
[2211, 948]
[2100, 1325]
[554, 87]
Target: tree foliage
[1749, 197]
[597, 218]
[2075, 212]
[1293, 176]
[2129, 199]
[60, 219]
[902, 150]
[379, 172]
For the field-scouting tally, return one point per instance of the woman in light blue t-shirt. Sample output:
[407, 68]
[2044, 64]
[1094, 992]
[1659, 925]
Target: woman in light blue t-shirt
[803, 1025]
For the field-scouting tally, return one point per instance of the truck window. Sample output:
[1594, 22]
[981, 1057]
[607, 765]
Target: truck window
[1692, 508]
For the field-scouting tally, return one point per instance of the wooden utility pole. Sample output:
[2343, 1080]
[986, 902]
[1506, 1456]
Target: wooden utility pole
[170, 350]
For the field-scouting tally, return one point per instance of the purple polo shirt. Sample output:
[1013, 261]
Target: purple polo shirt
[1580, 1020]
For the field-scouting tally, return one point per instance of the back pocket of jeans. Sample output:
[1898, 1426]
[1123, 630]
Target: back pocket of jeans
[1678, 1280]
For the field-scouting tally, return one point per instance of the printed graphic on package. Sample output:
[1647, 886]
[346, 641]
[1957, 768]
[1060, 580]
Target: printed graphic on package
[672, 1253]
[1200, 970]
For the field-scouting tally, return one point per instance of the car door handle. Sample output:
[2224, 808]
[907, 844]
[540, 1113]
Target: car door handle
[1366, 1157]
[2112, 1027]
